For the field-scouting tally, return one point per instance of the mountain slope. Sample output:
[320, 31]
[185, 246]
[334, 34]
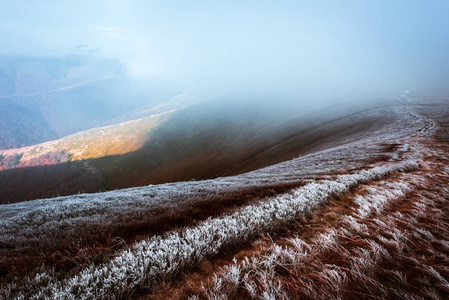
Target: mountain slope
[60, 168]
[227, 138]
[365, 216]
[210, 139]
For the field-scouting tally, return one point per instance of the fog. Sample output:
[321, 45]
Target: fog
[310, 48]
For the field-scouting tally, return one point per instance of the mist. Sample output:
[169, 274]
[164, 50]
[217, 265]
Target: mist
[319, 49]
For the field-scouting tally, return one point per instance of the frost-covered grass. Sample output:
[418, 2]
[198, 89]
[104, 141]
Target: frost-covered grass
[391, 244]
[89, 234]
[41, 219]
[72, 226]
[162, 257]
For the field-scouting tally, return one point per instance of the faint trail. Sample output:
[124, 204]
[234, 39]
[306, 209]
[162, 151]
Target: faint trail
[83, 83]
[232, 277]
[387, 240]
[386, 228]
[429, 127]
[58, 89]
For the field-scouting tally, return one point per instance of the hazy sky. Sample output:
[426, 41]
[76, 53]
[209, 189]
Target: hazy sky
[231, 45]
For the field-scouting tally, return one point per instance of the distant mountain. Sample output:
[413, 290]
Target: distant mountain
[21, 126]
[43, 99]
[90, 144]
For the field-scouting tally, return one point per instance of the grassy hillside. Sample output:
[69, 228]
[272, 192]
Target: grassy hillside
[229, 137]
[210, 139]
[366, 218]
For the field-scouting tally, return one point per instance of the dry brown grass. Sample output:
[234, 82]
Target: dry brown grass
[400, 253]
[99, 243]
[190, 284]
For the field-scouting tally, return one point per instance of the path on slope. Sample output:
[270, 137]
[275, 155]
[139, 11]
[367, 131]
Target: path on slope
[384, 239]
[387, 239]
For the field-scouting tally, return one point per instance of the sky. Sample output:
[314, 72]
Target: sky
[317, 47]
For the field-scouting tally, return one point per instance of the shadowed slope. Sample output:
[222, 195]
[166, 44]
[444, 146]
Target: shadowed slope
[207, 140]
[228, 137]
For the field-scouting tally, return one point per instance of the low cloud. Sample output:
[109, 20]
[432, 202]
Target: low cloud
[322, 48]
